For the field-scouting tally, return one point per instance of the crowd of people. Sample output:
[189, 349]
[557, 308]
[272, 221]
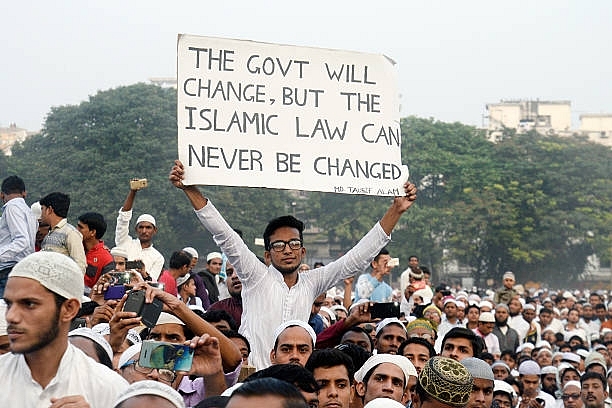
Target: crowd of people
[79, 321]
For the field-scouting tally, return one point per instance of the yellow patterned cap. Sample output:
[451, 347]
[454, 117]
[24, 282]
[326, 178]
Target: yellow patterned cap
[447, 381]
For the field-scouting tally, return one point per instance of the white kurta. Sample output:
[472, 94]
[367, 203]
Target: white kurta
[77, 374]
[267, 301]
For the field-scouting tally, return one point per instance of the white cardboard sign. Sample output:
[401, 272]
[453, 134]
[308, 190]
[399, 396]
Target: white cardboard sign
[277, 116]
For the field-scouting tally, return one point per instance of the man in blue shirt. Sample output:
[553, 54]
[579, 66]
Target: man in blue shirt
[18, 227]
[372, 285]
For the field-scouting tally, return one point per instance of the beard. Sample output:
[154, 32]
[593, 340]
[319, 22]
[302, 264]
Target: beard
[501, 323]
[44, 337]
[286, 271]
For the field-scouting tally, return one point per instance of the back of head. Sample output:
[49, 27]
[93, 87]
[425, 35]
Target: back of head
[94, 221]
[356, 353]
[178, 259]
[383, 251]
[272, 387]
[60, 203]
[284, 221]
[290, 373]
[13, 185]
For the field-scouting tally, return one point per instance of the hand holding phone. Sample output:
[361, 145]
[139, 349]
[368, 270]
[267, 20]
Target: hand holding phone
[169, 356]
[149, 312]
[384, 310]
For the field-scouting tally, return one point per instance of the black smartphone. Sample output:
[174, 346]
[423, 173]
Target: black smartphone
[384, 310]
[149, 312]
[134, 265]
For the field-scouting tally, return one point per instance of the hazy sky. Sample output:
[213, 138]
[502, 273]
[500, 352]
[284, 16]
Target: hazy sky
[454, 56]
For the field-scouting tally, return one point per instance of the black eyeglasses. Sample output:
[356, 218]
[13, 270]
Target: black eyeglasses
[566, 397]
[279, 246]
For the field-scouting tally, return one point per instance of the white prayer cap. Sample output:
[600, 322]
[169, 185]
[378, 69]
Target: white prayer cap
[191, 251]
[149, 387]
[291, 323]
[382, 402]
[572, 382]
[402, 362]
[36, 210]
[485, 303]
[167, 318]
[118, 251]
[146, 218]
[502, 386]
[56, 272]
[182, 279]
[529, 367]
[95, 337]
[213, 255]
[478, 368]
[128, 354]
[389, 320]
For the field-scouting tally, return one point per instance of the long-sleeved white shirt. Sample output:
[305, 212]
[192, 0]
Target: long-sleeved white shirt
[267, 300]
[151, 257]
[77, 374]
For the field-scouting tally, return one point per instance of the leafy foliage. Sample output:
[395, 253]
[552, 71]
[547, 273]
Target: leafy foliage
[536, 205]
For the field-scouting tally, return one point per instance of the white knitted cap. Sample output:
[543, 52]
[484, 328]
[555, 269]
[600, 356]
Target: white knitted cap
[56, 272]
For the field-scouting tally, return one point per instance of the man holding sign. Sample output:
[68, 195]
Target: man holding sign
[277, 293]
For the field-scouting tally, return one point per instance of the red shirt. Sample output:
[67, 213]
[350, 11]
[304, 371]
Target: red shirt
[169, 282]
[99, 262]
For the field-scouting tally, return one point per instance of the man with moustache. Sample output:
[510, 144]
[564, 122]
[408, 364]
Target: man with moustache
[233, 304]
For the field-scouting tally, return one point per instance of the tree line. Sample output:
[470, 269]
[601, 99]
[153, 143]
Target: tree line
[532, 204]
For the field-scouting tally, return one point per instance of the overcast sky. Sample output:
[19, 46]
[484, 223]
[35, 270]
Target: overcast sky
[454, 57]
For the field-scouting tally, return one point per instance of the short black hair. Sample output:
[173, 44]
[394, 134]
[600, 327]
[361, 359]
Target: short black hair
[284, 221]
[94, 221]
[60, 203]
[383, 251]
[13, 185]
[291, 373]
[292, 397]
[326, 358]
[216, 315]
[464, 333]
[232, 334]
[356, 353]
[178, 259]
[359, 329]
[591, 374]
[416, 340]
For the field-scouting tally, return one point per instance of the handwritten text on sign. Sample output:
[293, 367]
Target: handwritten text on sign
[266, 115]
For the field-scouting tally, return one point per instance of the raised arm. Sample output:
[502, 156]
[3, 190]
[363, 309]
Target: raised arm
[177, 174]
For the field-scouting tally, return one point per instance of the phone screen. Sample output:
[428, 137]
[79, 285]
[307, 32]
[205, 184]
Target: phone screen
[159, 354]
[384, 310]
